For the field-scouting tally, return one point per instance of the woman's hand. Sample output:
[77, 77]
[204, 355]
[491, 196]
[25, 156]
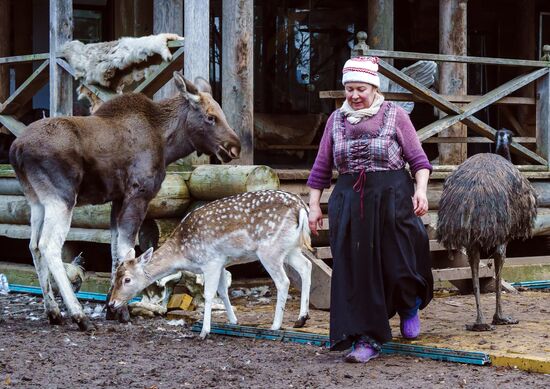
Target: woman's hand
[315, 218]
[420, 202]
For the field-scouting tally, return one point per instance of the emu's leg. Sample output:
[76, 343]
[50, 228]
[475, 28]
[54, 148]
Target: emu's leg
[37, 221]
[302, 265]
[273, 263]
[222, 291]
[212, 277]
[57, 221]
[479, 325]
[500, 257]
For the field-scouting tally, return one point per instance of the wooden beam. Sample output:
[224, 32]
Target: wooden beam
[61, 83]
[27, 90]
[475, 139]
[390, 96]
[168, 18]
[5, 47]
[164, 73]
[12, 124]
[237, 73]
[543, 117]
[380, 20]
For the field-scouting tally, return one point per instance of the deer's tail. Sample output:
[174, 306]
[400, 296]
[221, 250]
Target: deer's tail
[303, 227]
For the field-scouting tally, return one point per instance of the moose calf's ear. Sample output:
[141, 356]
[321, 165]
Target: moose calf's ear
[203, 85]
[186, 88]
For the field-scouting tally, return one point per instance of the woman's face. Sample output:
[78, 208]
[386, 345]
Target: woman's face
[359, 95]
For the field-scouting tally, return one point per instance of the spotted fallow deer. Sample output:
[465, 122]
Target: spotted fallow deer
[118, 154]
[268, 225]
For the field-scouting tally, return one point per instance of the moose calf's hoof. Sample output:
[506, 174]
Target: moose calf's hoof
[123, 314]
[479, 327]
[301, 321]
[55, 318]
[505, 320]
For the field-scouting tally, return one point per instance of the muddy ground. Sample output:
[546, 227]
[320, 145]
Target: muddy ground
[157, 353]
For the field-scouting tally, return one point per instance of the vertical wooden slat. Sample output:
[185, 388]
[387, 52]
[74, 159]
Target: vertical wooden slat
[380, 29]
[197, 39]
[5, 48]
[168, 18]
[61, 83]
[543, 112]
[237, 72]
[22, 45]
[453, 76]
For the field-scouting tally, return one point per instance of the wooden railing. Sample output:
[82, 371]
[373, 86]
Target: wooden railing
[40, 77]
[462, 108]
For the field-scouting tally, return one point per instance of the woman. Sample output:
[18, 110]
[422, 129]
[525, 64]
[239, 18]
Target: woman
[380, 247]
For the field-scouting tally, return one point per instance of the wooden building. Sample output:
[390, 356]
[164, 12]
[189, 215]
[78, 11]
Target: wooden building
[275, 66]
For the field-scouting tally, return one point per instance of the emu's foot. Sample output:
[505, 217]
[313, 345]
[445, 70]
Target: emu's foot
[301, 321]
[479, 327]
[55, 318]
[84, 324]
[504, 320]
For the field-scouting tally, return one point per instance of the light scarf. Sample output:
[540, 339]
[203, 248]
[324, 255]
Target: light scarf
[354, 116]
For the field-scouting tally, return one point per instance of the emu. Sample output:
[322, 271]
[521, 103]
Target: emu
[268, 225]
[486, 203]
[119, 154]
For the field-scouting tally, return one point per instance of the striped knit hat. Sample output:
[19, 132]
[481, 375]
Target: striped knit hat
[361, 69]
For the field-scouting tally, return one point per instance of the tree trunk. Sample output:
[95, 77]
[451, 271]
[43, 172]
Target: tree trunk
[210, 182]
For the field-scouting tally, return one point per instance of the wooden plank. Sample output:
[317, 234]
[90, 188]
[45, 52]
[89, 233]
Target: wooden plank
[24, 58]
[521, 168]
[509, 100]
[75, 234]
[167, 18]
[486, 100]
[12, 124]
[474, 139]
[543, 118]
[27, 90]
[457, 58]
[61, 83]
[238, 74]
[5, 46]
[460, 273]
[164, 73]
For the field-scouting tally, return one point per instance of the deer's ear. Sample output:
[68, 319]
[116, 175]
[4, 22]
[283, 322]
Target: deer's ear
[146, 257]
[203, 85]
[186, 88]
[130, 255]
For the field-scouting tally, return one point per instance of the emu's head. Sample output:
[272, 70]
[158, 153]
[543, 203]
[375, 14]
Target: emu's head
[205, 123]
[503, 139]
[130, 278]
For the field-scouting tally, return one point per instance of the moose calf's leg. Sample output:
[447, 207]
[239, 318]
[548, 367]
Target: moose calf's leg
[302, 265]
[211, 281]
[222, 291]
[499, 318]
[57, 221]
[51, 307]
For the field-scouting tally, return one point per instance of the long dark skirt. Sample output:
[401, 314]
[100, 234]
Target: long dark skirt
[381, 256]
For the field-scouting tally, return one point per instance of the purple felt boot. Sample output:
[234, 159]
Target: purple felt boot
[362, 353]
[410, 327]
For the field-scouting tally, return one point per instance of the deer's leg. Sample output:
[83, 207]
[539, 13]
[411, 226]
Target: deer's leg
[222, 292]
[212, 277]
[126, 219]
[499, 318]
[302, 265]
[57, 221]
[273, 263]
[51, 307]
[479, 325]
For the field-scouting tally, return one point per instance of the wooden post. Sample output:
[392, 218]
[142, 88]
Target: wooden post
[543, 111]
[61, 83]
[168, 18]
[5, 49]
[380, 30]
[22, 45]
[237, 73]
[453, 76]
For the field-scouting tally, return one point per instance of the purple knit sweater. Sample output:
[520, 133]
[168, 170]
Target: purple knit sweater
[413, 154]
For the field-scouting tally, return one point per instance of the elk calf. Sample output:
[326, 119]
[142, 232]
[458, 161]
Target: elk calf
[269, 225]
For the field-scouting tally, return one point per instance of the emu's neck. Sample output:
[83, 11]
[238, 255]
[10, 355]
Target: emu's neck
[178, 145]
[503, 149]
